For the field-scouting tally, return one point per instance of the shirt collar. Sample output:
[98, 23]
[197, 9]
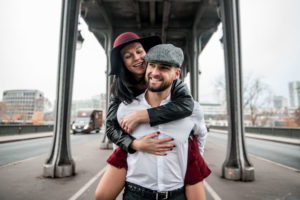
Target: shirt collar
[163, 102]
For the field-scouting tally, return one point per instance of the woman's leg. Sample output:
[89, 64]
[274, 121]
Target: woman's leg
[111, 183]
[197, 170]
[195, 191]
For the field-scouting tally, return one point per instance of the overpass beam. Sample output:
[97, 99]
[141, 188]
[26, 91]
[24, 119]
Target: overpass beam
[165, 19]
[236, 165]
[194, 73]
[60, 162]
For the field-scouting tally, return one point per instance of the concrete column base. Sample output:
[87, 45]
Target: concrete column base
[236, 174]
[232, 173]
[55, 171]
[106, 145]
[248, 174]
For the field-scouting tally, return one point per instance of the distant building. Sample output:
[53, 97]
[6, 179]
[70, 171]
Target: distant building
[294, 91]
[97, 102]
[279, 102]
[213, 110]
[22, 104]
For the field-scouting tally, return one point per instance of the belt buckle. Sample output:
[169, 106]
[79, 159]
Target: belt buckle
[166, 195]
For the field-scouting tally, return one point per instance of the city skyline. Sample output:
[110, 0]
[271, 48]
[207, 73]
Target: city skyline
[29, 60]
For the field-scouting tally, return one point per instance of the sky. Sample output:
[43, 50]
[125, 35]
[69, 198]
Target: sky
[29, 42]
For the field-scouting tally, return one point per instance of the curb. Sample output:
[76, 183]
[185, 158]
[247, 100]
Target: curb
[24, 138]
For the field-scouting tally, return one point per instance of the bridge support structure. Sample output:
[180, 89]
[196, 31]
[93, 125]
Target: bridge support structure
[60, 162]
[236, 165]
[194, 73]
[105, 143]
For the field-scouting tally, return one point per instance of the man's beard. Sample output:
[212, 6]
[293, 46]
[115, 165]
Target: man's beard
[162, 87]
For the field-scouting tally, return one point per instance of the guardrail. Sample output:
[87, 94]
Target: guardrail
[274, 131]
[12, 129]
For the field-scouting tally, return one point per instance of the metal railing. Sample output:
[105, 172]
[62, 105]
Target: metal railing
[12, 129]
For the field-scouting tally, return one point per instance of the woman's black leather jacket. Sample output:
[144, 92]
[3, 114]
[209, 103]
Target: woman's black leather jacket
[181, 105]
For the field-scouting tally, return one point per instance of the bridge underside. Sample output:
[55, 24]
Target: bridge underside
[188, 24]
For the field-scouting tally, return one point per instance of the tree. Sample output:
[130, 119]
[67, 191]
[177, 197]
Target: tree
[256, 94]
[3, 109]
[297, 116]
[37, 118]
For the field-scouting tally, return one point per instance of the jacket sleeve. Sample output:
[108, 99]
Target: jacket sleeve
[181, 105]
[113, 130]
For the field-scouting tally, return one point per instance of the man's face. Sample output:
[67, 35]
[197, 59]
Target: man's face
[159, 77]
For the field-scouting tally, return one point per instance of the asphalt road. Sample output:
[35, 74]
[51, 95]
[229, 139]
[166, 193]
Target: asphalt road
[21, 150]
[284, 154]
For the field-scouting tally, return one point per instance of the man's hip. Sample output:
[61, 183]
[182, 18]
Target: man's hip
[136, 192]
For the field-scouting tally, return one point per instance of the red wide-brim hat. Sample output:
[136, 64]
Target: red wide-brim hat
[121, 41]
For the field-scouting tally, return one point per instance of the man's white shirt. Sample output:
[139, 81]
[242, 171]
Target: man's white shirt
[163, 173]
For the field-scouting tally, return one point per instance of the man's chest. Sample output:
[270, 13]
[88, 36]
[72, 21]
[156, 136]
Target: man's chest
[178, 129]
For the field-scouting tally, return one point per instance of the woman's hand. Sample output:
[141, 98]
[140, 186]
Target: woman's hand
[133, 119]
[150, 144]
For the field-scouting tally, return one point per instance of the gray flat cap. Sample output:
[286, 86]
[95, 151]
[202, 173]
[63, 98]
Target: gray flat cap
[166, 54]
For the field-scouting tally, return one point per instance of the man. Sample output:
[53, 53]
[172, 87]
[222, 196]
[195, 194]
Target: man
[161, 177]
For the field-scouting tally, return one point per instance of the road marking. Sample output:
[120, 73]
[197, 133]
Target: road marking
[264, 159]
[87, 185]
[275, 163]
[211, 191]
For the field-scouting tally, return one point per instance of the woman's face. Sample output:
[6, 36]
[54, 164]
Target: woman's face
[133, 57]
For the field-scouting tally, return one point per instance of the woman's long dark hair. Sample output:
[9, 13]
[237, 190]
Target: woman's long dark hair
[124, 86]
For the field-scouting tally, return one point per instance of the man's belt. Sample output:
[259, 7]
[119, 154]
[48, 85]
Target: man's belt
[152, 194]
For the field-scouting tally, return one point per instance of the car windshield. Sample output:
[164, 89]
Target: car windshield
[82, 119]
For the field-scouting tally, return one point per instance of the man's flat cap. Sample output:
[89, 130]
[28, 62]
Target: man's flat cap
[165, 54]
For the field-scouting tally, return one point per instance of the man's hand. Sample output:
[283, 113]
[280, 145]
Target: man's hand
[150, 144]
[133, 119]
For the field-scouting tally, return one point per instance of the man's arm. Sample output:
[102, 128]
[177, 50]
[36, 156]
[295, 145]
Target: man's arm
[114, 131]
[181, 106]
[200, 130]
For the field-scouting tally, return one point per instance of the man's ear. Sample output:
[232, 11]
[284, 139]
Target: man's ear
[177, 72]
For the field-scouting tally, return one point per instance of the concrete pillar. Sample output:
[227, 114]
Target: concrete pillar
[106, 144]
[194, 72]
[60, 162]
[236, 165]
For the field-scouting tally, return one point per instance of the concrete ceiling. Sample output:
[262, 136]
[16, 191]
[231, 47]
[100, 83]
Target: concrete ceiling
[173, 20]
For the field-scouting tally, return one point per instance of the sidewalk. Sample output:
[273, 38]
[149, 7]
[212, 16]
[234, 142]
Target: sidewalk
[23, 180]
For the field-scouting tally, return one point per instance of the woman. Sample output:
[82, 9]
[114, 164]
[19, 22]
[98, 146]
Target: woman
[127, 62]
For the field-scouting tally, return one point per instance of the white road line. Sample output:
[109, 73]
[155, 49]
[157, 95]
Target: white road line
[87, 185]
[211, 191]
